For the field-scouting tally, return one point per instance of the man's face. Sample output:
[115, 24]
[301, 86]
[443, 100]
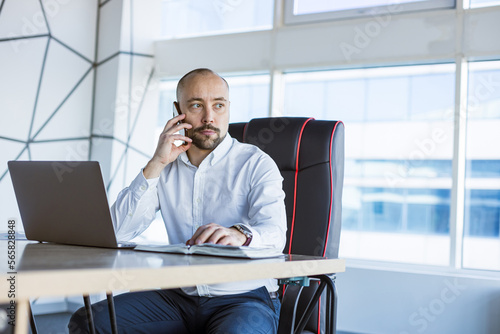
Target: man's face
[205, 101]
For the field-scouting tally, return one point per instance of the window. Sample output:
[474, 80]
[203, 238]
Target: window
[297, 11]
[396, 202]
[249, 97]
[481, 247]
[483, 3]
[187, 18]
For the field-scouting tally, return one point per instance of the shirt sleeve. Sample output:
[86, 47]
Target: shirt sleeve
[267, 216]
[135, 208]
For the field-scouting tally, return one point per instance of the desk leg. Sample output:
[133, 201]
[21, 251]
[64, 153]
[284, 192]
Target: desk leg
[90, 315]
[112, 314]
[22, 309]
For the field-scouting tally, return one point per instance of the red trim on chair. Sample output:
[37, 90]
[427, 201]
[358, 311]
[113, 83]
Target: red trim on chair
[331, 188]
[295, 184]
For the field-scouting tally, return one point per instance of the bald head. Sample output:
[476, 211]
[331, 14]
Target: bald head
[192, 74]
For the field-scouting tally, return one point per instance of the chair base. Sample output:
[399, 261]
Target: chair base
[290, 302]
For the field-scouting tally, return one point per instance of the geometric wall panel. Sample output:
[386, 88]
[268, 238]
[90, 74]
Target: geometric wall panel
[105, 97]
[110, 18]
[60, 103]
[143, 68]
[22, 18]
[82, 14]
[60, 150]
[118, 154]
[146, 27]
[115, 185]
[63, 71]
[122, 107]
[100, 151]
[10, 151]
[117, 171]
[147, 24]
[143, 137]
[72, 120]
[125, 31]
[127, 165]
[20, 74]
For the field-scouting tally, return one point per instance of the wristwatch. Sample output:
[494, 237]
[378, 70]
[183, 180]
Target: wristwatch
[246, 231]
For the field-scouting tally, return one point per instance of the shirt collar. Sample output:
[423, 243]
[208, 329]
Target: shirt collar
[218, 153]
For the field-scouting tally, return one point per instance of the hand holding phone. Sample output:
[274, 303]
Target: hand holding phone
[169, 146]
[182, 132]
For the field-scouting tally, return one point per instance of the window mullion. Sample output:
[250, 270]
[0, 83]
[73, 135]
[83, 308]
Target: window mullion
[458, 165]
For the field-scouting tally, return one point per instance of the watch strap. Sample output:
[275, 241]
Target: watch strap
[245, 231]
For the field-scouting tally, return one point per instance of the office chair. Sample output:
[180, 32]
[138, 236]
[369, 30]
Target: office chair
[310, 155]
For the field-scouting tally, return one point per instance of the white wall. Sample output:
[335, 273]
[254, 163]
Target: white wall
[380, 299]
[77, 82]
[46, 66]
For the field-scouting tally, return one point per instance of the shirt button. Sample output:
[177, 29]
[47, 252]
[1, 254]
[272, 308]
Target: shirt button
[198, 200]
[143, 188]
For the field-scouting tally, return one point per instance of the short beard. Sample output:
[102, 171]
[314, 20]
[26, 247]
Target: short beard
[204, 142]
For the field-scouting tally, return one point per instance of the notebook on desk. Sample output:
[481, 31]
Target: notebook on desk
[243, 252]
[64, 202]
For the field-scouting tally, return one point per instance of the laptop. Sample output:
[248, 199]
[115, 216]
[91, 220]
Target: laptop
[64, 202]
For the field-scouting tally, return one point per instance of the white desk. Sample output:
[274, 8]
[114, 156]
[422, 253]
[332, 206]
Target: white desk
[60, 270]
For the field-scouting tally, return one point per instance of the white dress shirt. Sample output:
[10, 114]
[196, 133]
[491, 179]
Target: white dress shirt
[235, 183]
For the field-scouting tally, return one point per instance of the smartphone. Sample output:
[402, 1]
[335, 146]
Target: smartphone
[175, 113]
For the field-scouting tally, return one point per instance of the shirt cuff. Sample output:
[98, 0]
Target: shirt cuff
[256, 239]
[141, 185]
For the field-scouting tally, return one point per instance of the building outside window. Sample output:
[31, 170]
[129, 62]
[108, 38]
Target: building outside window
[399, 140]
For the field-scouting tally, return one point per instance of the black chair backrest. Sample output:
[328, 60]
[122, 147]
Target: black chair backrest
[310, 156]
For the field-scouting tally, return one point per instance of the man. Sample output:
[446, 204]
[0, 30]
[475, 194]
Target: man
[210, 189]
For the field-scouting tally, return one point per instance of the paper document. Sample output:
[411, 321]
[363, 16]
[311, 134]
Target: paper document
[214, 250]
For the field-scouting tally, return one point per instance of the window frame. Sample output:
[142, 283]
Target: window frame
[291, 18]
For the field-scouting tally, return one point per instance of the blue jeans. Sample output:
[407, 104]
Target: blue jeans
[172, 311]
